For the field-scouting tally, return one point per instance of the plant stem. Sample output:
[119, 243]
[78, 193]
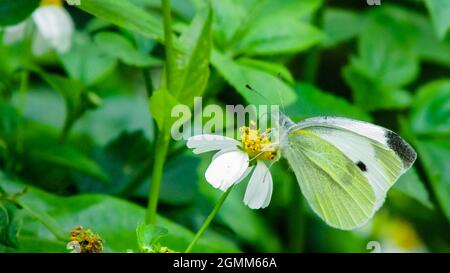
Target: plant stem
[163, 138]
[68, 123]
[162, 145]
[168, 41]
[208, 220]
[23, 89]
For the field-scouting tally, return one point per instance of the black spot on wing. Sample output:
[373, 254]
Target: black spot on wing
[361, 166]
[401, 148]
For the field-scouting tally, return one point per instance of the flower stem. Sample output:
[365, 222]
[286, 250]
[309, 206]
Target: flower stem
[162, 145]
[168, 41]
[163, 138]
[208, 220]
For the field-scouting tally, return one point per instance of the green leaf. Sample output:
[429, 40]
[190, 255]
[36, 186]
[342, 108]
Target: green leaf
[122, 158]
[378, 74]
[238, 75]
[229, 16]
[439, 10]
[193, 71]
[179, 186]
[234, 18]
[421, 33]
[434, 154]
[287, 35]
[9, 223]
[431, 109]
[14, 11]
[341, 25]
[127, 15]
[392, 62]
[9, 121]
[161, 104]
[411, 185]
[69, 89]
[429, 122]
[67, 157]
[270, 67]
[287, 8]
[148, 237]
[117, 114]
[116, 45]
[372, 95]
[86, 62]
[115, 220]
[312, 101]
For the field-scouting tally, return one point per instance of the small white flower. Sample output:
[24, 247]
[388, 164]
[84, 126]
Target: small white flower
[54, 26]
[235, 160]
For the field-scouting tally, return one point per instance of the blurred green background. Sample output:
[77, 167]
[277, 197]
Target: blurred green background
[75, 127]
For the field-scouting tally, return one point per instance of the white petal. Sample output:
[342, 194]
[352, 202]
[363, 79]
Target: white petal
[40, 45]
[206, 143]
[56, 26]
[259, 188]
[14, 33]
[227, 169]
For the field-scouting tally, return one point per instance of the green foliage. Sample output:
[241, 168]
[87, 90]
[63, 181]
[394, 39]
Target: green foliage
[239, 75]
[115, 45]
[430, 120]
[127, 15]
[87, 131]
[439, 10]
[86, 62]
[14, 11]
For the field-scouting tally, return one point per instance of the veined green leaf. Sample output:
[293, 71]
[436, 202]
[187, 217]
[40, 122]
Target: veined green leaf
[161, 104]
[435, 154]
[312, 101]
[239, 76]
[119, 47]
[288, 35]
[193, 71]
[411, 185]
[115, 220]
[270, 67]
[341, 25]
[69, 89]
[370, 94]
[127, 15]
[69, 158]
[85, 61]
[431, 109]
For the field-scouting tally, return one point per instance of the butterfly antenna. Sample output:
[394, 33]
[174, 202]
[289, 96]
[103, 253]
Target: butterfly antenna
[279, 94]
[261, 95]
[257, 92]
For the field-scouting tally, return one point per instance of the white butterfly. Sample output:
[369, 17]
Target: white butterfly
[344, 167]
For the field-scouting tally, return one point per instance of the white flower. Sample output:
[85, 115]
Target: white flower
[54, 26]
[235, 160]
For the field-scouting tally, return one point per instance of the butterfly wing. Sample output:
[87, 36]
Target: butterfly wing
[379, 154]
[335, 188]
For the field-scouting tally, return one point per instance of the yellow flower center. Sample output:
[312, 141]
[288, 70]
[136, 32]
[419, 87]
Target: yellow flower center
[256, 144]
[51, 2]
